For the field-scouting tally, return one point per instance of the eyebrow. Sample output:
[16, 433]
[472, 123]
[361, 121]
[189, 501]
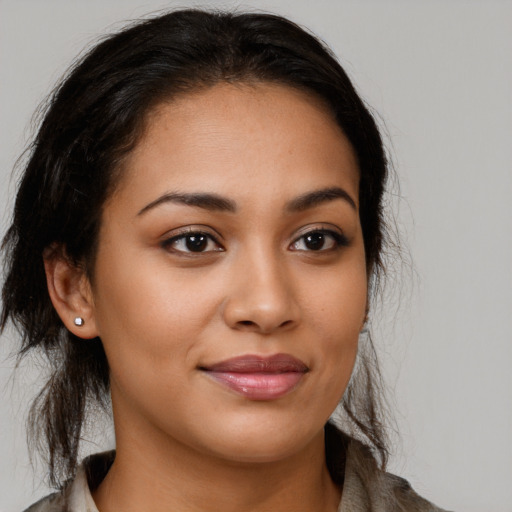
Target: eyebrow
[207, 201]
[317, 197]
[214, 202]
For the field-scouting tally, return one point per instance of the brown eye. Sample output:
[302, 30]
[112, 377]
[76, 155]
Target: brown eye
[314, 241]
[193, 242]
[196, 243]
[319, 240]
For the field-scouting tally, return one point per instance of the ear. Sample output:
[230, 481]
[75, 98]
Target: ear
[70, 292]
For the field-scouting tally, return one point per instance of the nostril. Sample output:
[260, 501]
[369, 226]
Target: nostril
[249, 324]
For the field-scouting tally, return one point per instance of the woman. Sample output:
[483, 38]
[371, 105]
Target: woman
[197, 235]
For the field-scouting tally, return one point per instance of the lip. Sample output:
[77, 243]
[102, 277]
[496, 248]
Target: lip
[259, 377]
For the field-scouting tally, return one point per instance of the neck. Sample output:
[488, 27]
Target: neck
[160, 474]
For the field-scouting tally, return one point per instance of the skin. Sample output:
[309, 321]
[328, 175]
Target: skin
[184, 441]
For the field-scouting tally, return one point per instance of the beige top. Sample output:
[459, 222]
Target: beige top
[385, 493]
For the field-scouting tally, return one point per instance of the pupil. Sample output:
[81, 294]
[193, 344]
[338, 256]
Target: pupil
[196, 243]
[315, 241]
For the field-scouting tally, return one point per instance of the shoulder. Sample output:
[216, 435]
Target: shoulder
[75, 495]
[55, 502]
[366, 488]
[397, 490]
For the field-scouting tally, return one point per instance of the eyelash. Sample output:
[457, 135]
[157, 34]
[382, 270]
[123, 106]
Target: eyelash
[338, 240]
[182, 237]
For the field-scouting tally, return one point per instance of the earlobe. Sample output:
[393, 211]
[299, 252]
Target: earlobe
[71, 294]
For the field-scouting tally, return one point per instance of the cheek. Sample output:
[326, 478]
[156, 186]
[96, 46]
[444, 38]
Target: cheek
[148, 317]
[336, 315]
[336, 300]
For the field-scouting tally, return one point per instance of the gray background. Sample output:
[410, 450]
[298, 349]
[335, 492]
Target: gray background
[439, 74]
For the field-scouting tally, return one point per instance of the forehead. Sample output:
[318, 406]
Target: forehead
[234, 136]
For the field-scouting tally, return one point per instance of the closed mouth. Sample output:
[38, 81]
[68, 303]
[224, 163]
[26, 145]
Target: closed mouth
[258, 377]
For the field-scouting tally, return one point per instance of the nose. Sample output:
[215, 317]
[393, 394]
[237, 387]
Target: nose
[261, 297]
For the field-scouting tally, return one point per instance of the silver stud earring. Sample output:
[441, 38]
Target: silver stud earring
[79, 321]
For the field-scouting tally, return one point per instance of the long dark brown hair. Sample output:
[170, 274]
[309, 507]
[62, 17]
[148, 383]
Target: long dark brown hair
[91, 122]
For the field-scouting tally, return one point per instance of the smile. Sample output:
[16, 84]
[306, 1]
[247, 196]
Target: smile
[257, 377]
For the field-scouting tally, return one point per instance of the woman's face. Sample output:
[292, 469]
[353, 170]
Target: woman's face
[230, 282]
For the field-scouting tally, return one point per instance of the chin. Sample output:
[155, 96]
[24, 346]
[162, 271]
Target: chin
[264, 445]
